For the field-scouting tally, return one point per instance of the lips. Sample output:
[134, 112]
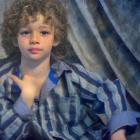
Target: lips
[34, 50]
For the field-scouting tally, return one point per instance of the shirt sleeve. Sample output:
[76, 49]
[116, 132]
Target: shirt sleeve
[127, 118]
[14, 124]
[14, 118]
[11, 125]
[117, 109]
[21, 108]
[107, 97]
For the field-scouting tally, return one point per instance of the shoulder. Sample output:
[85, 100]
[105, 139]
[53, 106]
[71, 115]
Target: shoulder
[81, 71]
[76, 67]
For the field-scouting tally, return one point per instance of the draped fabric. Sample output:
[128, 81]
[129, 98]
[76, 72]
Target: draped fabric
[105, 37]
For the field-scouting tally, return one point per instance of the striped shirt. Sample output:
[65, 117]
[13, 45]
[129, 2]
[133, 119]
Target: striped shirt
[70, 98]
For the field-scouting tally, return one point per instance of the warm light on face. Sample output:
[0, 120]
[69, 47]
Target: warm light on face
[36, 36]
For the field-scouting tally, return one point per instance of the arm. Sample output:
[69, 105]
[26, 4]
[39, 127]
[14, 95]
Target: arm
[106, 97]
[12, 126]
[117, 109]
[14, 118]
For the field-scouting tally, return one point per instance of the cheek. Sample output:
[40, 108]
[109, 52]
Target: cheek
[21, 40]
[47, 44]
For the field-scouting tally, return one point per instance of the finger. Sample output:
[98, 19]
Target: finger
[25, 76]
[16, 79]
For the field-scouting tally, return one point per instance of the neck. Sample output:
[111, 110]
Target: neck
[39, 69]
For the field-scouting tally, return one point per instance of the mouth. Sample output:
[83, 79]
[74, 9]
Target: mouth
[34, 50]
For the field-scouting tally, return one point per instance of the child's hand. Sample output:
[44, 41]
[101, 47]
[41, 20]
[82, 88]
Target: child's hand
[119, 135]
[29, 86]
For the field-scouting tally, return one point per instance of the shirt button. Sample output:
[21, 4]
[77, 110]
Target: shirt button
[36, 99]
[29, 117]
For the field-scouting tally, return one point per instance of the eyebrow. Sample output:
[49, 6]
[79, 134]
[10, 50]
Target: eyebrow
[44, 27]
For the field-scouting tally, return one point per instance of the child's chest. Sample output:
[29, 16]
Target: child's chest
[62, 103]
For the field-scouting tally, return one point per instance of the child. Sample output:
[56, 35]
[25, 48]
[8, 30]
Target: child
[45, 101]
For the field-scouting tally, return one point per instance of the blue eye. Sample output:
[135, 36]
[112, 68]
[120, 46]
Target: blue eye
[25, 33]
[44, 32]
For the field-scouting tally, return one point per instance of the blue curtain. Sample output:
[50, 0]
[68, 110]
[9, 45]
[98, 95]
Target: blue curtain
[105, 38]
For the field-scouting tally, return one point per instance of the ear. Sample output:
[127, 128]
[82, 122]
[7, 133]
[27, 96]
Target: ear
[55, 43]
[15, 43]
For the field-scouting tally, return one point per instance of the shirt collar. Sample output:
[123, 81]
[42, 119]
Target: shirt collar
[56, 71]
[58, 67]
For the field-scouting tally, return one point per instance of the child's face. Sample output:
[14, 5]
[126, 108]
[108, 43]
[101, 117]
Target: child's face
[35, 40]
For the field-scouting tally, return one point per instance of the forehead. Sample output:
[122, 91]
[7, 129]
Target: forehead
[35, 19]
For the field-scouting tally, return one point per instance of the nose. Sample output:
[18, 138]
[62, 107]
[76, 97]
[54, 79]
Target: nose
[34, 38]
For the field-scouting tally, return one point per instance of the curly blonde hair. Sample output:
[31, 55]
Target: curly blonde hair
[20, 12]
